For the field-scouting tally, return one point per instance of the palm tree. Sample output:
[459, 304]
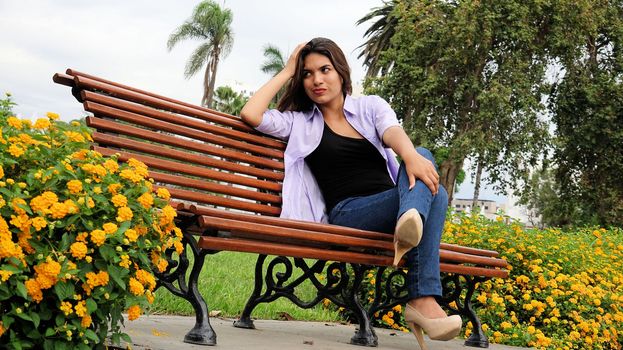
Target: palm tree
[274, 64]
[212, 25]
[379, 37]
[229, 101]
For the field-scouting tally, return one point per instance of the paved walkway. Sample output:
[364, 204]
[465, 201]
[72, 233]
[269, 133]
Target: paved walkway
[167, 332]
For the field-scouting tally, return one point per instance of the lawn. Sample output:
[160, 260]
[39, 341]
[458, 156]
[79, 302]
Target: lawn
[226, 282]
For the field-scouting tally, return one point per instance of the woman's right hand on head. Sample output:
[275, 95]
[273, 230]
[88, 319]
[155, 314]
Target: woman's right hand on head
[290, 66]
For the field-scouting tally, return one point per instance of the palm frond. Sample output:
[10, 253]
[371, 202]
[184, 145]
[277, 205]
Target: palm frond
[198, 59]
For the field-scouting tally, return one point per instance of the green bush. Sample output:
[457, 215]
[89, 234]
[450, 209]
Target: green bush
[79, 234]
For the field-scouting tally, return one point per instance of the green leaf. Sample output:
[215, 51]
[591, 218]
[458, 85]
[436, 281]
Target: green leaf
[65, 240]
[64, 290]
[24, 316]
[50, 332]
[126, 337]
[35, 319]
[89, 334]
[117, 273]
[107, 252]
[91, 305]
[21, 290]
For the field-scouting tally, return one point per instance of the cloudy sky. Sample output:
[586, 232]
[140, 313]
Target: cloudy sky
[125, 41]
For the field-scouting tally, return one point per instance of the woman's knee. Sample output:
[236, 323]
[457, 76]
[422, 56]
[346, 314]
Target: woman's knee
[426, 153]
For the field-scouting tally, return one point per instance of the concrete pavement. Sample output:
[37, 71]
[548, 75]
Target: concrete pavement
[167, 332]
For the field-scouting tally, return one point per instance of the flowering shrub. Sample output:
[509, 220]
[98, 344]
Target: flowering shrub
[565, 289]
[79, 235]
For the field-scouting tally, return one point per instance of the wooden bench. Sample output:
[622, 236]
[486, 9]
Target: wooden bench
[225, 183]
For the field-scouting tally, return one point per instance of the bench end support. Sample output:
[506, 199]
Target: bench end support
[365, 338]
[244, 322]
[201, 335]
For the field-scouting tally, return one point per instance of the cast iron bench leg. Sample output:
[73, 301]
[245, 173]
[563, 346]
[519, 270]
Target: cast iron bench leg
[364, 335]
[202, 333]
[245, 320]
[452, 288]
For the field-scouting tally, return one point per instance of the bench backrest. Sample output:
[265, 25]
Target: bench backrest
[200, 155]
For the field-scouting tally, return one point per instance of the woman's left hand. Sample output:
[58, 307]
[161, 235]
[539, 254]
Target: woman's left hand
[418, 167]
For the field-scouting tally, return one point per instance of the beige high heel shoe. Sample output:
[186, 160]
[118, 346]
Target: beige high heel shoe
[408, 234]
[437, 328]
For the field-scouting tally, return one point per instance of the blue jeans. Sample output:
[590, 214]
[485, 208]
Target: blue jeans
[380, 212]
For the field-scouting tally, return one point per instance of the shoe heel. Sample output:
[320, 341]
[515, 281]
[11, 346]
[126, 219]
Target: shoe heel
[399, 251]
[419, 335]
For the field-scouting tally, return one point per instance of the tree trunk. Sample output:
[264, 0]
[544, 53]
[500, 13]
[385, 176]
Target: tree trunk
[213, 78]
[449, 169]
[477, 186]
[206, 84]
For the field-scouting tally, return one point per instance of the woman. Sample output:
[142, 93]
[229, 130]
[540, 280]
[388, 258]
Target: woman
[339, 171]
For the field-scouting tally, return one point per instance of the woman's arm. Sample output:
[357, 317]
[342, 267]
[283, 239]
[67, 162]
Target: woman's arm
[254, 109]
[416, 165]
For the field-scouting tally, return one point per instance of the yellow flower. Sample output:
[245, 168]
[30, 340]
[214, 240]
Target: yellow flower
[16, 150]
[136, 287]
[39, 223]
[111, 165]
[66, 308]
[146, 278]
[124, 214]
[167, 214]
[4, 275]
[131, 175]
[86, 321]
[113, 188]
[34, 290]
[52, 115]
[74, 136]
[78, 250]
[1, 172]
[110, 228]
[131, 234]
[146, 200]
[14, 122]
[134, 312]
[42, 123]
[163, 193]
[125, 261]
[95, 280]
[81, 308]
[2, 329]
[74, 186]
[119, 200]
[98, 237]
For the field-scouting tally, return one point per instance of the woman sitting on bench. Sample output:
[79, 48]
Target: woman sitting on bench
[339, 171]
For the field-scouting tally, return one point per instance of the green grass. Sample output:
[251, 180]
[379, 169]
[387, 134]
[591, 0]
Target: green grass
[226, 282]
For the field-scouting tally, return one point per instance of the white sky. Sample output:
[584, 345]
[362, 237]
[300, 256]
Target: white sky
[125, 41]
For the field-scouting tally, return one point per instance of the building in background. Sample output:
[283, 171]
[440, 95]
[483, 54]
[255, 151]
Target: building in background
[487, 207]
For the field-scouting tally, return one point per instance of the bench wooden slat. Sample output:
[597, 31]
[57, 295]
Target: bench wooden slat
[270, 248]
[276, 231]
[87, 83]
[470, 250]
[72, 72]
[214, 187]
[128, 130]
[154, 149]
[183, 120]
[220, 201]
[288, 223]
[99, 109]
[162, 164]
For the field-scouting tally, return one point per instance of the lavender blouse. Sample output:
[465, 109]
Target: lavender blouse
[371, 116]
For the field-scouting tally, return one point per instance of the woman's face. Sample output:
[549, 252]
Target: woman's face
[321, 81]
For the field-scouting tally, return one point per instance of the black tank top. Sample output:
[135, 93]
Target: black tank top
[346, 167]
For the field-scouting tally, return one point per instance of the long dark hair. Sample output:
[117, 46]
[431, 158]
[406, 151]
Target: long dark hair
[295, 98]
